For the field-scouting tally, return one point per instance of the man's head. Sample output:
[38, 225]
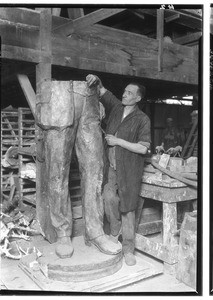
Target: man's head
[169, 122]
[133, 93]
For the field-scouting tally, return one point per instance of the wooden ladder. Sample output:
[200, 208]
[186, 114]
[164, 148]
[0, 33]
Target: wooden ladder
[191, 141]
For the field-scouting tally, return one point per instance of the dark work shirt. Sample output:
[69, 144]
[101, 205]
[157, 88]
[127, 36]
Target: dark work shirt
[134, 128]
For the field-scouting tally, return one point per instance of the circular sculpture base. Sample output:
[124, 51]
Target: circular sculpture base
[86, 263]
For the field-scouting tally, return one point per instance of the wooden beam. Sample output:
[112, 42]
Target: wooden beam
[97, 54]
[43, 94]
[141, 16]
[20, 15]
[75, 13]
[192, 12]
[172, 18]
[31, 17]
[186, 19]
[20, 53]
[164, 194]
[42, 9]
[156, 249]
[28, 92]
[103, 49]
[189, 38]
[24, 16]
[169, 224]
[150, 227]
[86, 21]
[160, 24]
[160, 34]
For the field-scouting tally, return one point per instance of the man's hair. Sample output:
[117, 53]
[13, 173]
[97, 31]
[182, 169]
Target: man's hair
[141, 89]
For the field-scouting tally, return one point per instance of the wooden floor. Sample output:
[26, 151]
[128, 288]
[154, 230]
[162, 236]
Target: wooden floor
[15, 279]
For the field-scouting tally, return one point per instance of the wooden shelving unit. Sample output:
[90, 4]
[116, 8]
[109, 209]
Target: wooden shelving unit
[27, 190]
[9, 138]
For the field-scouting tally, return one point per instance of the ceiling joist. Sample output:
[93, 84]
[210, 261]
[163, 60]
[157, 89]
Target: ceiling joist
[185, 19]
[189, 38]
[172, 18]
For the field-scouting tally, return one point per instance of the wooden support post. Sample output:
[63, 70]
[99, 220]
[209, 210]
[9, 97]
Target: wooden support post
[160, 34]
[138, 213]
[169, 223]
[75, 13]
[56, 11]
[43, 93]
[169, 229]
[28, 92]
[187, 255]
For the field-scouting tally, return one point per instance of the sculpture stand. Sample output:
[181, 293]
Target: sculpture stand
[86, 263]
[88, 270]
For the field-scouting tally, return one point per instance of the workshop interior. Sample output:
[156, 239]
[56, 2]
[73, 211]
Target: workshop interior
[58, 130]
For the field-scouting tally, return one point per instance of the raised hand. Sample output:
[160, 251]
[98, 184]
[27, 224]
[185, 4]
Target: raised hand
[93, 79]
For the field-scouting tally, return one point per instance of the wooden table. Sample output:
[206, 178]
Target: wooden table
[170, 192]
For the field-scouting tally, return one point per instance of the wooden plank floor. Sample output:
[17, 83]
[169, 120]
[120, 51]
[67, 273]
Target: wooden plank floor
[140, 278]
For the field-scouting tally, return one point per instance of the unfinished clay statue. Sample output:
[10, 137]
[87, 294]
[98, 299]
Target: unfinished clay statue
[71, 119]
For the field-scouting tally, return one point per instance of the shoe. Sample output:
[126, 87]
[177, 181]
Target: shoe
[64, 248]
[130, 259]
[105, 245]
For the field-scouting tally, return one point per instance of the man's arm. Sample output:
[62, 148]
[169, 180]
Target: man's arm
[143, 138]
[133, 147]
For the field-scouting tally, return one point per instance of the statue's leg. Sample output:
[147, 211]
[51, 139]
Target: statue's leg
[54, 204]
[59, 148]
[89, 149]
[111, 204]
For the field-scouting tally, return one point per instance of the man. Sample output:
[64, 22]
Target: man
[171, 139]
[128, 139]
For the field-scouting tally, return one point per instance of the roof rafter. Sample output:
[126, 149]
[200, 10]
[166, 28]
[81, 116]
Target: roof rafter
[87, 20]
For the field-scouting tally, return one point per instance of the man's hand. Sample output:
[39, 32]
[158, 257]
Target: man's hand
[112, 140]
[93, 80]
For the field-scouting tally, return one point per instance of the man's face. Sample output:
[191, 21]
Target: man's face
[130, 96]
[169, 123]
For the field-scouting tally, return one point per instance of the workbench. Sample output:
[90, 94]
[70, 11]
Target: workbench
[169, 192]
